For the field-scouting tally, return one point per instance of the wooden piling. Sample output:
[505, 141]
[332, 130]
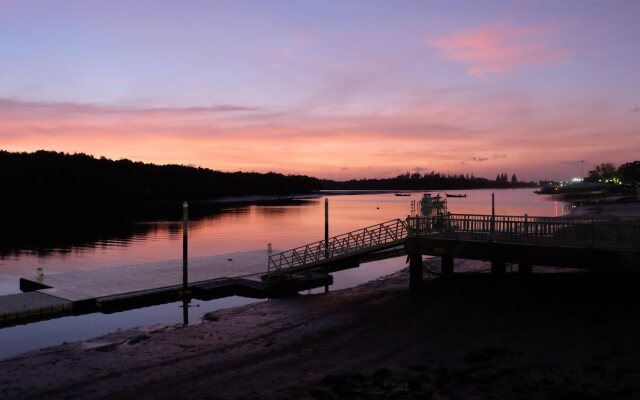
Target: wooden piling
[415, 271]
[525, 268]
[498, 266]
[447, 266]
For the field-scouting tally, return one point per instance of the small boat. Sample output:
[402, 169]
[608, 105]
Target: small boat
[402, 194]
[547, 190]
[455, 195]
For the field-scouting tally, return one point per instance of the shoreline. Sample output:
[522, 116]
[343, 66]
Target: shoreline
[612, 210]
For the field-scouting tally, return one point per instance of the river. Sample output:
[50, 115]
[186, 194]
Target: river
[70, 242]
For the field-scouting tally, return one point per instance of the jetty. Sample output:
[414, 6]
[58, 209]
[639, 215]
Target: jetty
[600, 245]
[608, 245]
[127, 287]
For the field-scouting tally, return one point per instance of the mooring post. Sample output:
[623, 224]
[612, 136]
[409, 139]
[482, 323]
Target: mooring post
[525, 268]
[498, 266]
[415, 271]
[185, 239]
[326, 227]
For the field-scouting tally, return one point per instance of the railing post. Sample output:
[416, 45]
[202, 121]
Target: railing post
[526, 225]
[493, 212]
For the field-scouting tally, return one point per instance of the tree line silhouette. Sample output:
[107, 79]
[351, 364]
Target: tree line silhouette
[628, 173]
[427, 181]
[49, 177]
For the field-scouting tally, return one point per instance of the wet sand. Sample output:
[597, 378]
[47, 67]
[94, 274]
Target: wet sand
[624, 210]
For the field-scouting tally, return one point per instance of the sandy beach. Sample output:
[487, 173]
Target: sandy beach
[549, 336]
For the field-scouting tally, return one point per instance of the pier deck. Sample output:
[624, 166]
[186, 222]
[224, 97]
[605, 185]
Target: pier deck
[94, 284]
[127, 287]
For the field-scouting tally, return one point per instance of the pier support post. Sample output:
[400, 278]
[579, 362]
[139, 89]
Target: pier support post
[415, 272]
[447, 266]
[525, 268]
[498, 266]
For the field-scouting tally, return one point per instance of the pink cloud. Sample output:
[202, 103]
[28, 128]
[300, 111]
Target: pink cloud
[500, 48]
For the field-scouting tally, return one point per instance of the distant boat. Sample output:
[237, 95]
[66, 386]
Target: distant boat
[455, 195]
[547, 190]
[402, 194]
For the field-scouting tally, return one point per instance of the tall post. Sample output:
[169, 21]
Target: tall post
[185, 239]
[326, 227]
[493, 212]
[415, 272]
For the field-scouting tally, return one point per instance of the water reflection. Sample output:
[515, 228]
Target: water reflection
[45, 231]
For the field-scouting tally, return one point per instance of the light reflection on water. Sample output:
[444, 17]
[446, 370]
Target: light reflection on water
[115, 241]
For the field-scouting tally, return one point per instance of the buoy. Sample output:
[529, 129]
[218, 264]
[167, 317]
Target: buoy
[269, 248]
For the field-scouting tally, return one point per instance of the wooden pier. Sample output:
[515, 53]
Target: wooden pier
[128, 287]
[596, 244]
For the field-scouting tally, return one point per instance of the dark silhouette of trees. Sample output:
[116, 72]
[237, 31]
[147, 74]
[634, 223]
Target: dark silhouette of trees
[503, 178]
[602, 172]
[630, 172]
[51, 177]
[428, 181]
[627, 173]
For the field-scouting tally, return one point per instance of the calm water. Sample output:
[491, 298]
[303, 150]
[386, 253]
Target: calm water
[61, 243]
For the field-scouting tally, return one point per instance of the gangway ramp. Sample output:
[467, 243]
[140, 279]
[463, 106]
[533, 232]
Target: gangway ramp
[339, 248]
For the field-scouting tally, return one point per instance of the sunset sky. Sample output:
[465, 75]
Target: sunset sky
[336, 89]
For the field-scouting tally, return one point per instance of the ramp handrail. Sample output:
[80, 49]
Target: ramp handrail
[373, 236]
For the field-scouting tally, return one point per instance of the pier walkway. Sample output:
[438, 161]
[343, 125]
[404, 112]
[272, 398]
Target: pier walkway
[550, 241]
[133, 286]
[339, 248]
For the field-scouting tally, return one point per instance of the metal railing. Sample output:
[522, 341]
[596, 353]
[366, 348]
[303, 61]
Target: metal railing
[586, 232]
[371, 238]
[591, 232]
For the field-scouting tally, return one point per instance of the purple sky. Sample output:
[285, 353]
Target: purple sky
[336, 89]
